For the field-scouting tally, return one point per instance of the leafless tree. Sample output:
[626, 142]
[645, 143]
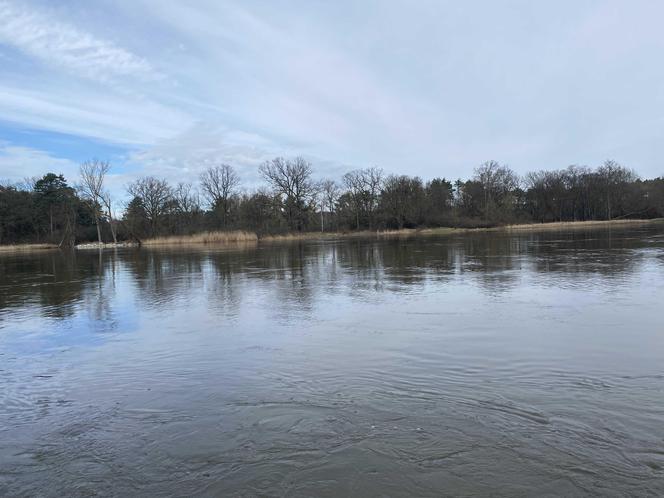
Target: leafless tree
[219, 184]
[93, 173]
[155, 195]
[291, 179]
[373, 179]
[186, 198]
[186, 202]
[330, 192]
[28, 183]
[355, 187]
[108, 204]
[364, 188]
[498, 182]
[614, 178]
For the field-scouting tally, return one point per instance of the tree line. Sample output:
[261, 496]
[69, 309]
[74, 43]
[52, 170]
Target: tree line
[50, 209]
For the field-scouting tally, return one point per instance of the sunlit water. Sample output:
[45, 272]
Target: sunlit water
[489, 364]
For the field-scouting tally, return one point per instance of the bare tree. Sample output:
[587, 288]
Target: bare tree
[27, 184]
[219, 184]
[497, 182]
[364, 188]
[186, 198]
[614, 177]
[355, 186]
[291, 179]
[373, 180]
[155, 195]
[93, 173]
[108, 204]
[187, 206]
[330, 192]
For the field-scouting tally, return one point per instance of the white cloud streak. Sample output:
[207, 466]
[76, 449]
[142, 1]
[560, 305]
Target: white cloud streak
[53, 42]
[18, 163]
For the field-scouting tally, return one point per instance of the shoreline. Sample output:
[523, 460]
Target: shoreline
[407, 232]
[564, 225]
[243, 239]
[26, 247]
[105, 245]
[240, 238]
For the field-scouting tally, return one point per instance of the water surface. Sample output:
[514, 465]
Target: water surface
[486, 364]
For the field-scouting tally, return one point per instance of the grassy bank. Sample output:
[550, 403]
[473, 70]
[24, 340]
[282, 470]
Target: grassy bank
[239, 237]
[567, 225]
[410, 232]
[27, 247]
[204, 238]
[355, 234]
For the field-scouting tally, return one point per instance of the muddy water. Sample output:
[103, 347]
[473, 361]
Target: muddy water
[490, 365]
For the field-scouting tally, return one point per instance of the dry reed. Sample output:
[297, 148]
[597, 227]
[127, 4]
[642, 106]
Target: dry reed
[27, 247]
[239, 237]
[567, 225]
[216, 238]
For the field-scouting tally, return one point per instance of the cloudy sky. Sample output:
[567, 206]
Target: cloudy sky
[429, 88]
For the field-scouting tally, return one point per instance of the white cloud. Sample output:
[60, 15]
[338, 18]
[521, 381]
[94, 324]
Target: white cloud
[62, 44]
[427, 88]
[124, 119]
[18, 163]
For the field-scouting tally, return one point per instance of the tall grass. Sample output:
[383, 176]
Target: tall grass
[218, 238]
[565, 225]
[27, 247]
[240, 237]
[404, 232]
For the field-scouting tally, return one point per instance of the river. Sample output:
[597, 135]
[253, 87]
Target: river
[487, 364]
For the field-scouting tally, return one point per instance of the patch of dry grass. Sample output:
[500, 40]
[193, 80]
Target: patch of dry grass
[567, 225]
[404, 232]
[239, 237]
[27, 247]
[204, 238]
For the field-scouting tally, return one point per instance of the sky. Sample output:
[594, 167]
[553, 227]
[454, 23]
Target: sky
[427, 88]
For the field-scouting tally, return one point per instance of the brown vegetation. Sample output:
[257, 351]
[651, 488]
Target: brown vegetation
[568, 225]
[218, 237]
[27, 247]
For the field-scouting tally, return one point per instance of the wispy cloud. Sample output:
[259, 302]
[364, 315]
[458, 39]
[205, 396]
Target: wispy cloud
[126, 119]
[39, 35]
[428, 88]
[18, 163]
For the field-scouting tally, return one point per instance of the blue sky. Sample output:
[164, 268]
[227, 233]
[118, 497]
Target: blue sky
[429, 88]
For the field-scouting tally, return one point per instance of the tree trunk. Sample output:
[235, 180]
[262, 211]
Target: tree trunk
[115, 237]
[110, 222]
[98, 228]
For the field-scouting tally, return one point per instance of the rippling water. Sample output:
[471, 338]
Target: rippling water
[489, 365]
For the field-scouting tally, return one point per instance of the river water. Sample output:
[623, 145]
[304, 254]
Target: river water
[473, 365]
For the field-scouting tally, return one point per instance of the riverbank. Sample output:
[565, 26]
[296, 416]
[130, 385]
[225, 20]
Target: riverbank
[27, 247]
[410, 232]
[567, 225]
[240, 237]
[206, 238]
[405, 232]
[106, 245]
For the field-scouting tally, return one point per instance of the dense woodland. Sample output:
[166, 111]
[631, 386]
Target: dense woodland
[64, 211]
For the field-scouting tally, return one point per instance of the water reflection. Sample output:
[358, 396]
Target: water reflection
[476, 364]
[56, 282]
